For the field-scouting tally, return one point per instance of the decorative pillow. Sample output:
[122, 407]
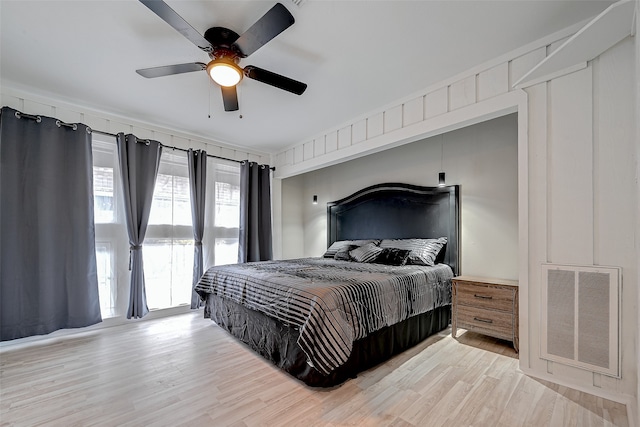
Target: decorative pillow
[366, 253]
[331, 252]
[343, 253]
[423, 251]
[393, 256]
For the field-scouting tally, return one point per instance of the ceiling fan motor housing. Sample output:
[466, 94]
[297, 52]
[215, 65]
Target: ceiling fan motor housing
[222, 40]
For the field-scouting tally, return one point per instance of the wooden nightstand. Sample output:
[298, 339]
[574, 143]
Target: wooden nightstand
[486, 306]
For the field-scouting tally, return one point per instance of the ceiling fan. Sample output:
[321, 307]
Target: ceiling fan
[226, 48]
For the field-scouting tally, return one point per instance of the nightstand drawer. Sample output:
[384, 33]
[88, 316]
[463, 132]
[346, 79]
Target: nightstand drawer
[494, 323]
[486, 306]
[485, 296]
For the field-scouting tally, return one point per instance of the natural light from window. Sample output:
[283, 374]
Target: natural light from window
[168, 246]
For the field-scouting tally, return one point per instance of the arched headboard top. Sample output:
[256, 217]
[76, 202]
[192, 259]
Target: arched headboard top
[399, 211]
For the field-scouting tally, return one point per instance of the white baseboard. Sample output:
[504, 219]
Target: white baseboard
[106, 323]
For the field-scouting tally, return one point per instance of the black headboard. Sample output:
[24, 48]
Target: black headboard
[387, 211]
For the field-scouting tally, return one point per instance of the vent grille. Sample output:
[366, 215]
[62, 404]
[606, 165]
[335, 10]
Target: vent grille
[580, 317]
[561, 313]
[298, 3]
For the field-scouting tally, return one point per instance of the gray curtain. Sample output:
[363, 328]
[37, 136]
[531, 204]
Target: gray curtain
[255, 213]
[139, 161]
[197, 186]
[48, 274]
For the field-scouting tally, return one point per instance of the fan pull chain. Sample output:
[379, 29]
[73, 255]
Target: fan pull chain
[210, 89]
[239, 94]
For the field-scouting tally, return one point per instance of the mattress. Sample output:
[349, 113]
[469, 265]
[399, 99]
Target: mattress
[328, 305]
[277, 342]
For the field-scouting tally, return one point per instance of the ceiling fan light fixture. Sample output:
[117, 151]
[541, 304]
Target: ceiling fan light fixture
[225, 49]
[224, 72]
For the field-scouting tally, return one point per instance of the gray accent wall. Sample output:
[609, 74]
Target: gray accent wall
[482, 159]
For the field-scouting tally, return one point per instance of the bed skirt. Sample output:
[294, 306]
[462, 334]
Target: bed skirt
[276, 341]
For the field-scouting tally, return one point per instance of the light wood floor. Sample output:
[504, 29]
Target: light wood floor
[185, 371]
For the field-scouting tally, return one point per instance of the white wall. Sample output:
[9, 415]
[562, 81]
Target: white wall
[482, 159]
[578, 171]
[30, 103]
[292, 218]
[583, 197]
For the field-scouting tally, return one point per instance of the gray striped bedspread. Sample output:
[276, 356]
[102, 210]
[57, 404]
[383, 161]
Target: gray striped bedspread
[332, 303]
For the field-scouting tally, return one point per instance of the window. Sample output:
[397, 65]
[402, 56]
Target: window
[106, 282]
[103, 197]
[112, 242]
[226, 251]
[222, 211]
[103, 182]
[168, 244]
[227, 200]
[168, 270]
[171, 196]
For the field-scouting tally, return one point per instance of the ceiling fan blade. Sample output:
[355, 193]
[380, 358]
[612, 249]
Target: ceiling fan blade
[273, 79]
[229, 98]
[169, 16]
[168, 70]
[272, 23]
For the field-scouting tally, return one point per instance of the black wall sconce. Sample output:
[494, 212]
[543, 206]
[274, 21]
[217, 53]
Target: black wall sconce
[441, 179]
[315, 199]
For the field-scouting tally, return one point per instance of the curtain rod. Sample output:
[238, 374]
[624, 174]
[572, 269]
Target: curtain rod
[175, 148]
[74, 126]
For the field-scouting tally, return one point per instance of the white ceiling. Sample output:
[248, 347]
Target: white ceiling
[355, 56]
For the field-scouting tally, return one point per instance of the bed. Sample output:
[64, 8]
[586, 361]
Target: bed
[324, 320]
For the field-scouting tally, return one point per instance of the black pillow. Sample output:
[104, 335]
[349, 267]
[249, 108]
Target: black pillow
[343, 253]
[393, 256]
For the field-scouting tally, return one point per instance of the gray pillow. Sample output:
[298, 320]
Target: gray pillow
[422, 251]
[331, 251]
[366, 253]
[343, 253]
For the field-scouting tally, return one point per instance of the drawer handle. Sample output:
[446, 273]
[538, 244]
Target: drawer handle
[483, 296]
[480, 319]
